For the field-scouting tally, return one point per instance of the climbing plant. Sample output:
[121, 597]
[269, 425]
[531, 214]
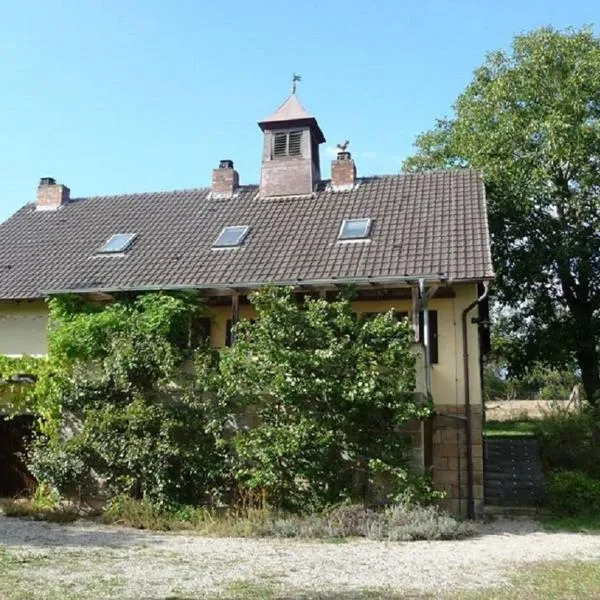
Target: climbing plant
[128, 416]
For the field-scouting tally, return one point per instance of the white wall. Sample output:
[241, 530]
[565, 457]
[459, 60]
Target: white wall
[23, 328]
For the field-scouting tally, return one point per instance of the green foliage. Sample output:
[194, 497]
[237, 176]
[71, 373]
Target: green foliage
[530, 122]
[570, 440]
[539, 382]
[305, 409]
[129, 418]
[573, 494]
[327, 392]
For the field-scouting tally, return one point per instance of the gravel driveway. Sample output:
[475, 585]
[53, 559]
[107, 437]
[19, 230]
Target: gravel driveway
[43, 560]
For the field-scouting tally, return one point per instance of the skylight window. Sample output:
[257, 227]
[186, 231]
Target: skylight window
[231, 237]
[355, 229]
[117, 243]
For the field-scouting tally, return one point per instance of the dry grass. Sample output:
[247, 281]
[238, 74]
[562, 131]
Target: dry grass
[394, 523]
[520, 410]
[27, 509]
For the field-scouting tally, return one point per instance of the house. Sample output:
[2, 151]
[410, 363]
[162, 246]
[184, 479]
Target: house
[418, 243]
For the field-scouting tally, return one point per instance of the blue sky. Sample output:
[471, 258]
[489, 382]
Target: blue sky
[120, 96]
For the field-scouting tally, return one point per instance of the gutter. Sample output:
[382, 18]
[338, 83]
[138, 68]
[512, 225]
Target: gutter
[468, 432]
[249, 285]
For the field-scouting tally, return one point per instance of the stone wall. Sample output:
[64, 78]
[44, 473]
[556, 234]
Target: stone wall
[449, 457]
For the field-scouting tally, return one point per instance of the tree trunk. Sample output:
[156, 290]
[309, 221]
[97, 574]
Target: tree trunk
[587, 358]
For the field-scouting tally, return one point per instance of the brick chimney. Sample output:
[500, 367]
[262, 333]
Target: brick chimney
[51, 195]
[343, 172]
[225, 180]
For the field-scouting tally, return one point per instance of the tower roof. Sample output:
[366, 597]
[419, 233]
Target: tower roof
[292, 113]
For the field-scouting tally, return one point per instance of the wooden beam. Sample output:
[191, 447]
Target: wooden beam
[235, 315]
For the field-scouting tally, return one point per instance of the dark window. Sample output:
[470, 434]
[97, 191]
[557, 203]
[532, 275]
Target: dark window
[280, 144]
[200, 331]
[287, 143]
[433, 334]
[294, 143]
[228, 333]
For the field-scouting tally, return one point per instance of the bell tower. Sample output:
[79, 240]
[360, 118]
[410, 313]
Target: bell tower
[290, 161]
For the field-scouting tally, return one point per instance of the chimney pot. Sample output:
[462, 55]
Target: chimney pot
[343, 172]
[51, 195]
[225, 180]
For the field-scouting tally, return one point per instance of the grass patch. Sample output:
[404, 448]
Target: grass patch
[577, 524]
[547, 581]
[394, 523]
[522, 428]
[31, 510]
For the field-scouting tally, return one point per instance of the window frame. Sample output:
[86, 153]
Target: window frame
[130, 237]
[366, 236]
[239, 241]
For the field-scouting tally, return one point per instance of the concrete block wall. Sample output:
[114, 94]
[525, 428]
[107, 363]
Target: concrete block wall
[449, 457]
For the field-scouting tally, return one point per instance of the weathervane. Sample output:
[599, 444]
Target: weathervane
[295, 78]
[343, 146]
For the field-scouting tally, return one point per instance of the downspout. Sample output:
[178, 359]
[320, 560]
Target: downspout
[469, 437]
[425, 340]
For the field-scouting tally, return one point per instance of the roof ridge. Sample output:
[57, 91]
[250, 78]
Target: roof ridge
[251, 186]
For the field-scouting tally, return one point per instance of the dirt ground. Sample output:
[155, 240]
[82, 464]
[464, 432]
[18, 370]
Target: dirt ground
[84, 560]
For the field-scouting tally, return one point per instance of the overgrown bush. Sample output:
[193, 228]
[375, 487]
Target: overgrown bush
[328, 392]
[538, 383]
[570, 440]
[573, 493]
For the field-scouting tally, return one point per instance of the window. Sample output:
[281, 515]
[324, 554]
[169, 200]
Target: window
[355, 229]
[287, 143]
[231, 237]
[117, 243]
[433, 335]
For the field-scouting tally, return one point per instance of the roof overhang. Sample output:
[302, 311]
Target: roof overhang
[230, 288]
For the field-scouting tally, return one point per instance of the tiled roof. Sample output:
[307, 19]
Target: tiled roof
[423, 225]
[292, 113]
[290, 110]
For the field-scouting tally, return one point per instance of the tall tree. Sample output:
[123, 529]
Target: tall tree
[530, 122]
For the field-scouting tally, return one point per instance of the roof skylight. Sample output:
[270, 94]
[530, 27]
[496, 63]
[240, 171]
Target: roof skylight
[231, 237]
[117, 243]
[355, 229]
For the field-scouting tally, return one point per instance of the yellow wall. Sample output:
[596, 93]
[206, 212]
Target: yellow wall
[23, 331]
[23, 328]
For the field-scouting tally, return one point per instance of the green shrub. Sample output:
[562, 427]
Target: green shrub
[573, 493]
[329, 392]
[570, 440]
